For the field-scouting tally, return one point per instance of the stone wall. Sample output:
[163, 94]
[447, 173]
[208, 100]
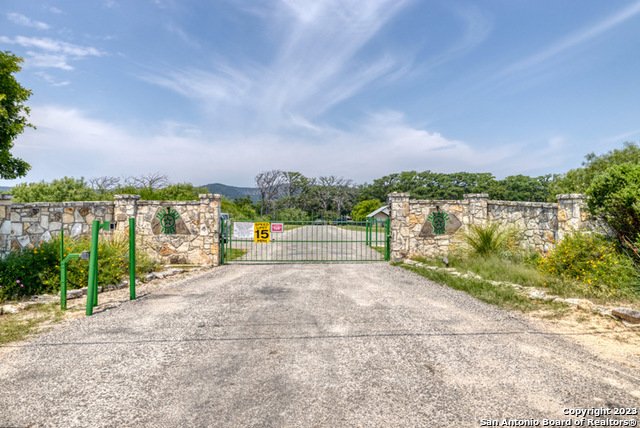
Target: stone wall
[537, 221]
[26, 225]
[184, 232]
[431, 228]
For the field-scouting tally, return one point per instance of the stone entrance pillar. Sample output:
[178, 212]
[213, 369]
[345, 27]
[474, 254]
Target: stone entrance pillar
[399, 225]
[209, 218]
[5, 223]
[572, 213]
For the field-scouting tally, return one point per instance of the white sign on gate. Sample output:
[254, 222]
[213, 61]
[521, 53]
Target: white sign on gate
[243, 230]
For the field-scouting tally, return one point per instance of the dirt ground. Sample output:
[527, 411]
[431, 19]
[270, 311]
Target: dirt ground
[604, 336]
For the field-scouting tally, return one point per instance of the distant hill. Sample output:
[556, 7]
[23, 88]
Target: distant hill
[4, 188]
[233, 192]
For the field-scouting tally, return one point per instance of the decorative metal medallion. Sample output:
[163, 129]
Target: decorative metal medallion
[438, 220]
[168, 220]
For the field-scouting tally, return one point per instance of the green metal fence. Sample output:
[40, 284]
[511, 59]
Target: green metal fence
[304, 241]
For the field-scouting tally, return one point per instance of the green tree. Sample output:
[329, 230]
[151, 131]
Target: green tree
[614, 196]
[364, 208]
[238, 210]
[428, 185]
[578, 180]
[174, 192]
[521, 188]
[292, 214]
[13, 116]
[60, 190]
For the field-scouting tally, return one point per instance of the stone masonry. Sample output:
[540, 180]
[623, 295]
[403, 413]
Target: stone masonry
[195, 242]
[540, 224]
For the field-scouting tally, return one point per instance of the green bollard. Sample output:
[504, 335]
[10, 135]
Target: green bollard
[63, 281]
[387, 251]
[92, 298]
[61, 245]
[132, 259]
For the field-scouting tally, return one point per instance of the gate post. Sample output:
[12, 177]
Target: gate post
[399, 214]
[209, 218]
[125, 207]
[5, 223]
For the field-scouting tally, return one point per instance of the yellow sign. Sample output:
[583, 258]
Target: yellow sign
[261, 232]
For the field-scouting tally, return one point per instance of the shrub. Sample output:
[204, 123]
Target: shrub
[592, 260]
[364, 208]
[491, 238]
[37, 270]
[292, 214]
[614, 196]
[26, 273]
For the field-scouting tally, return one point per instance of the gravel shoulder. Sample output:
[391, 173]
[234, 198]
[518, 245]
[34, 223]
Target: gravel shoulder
[303, 345]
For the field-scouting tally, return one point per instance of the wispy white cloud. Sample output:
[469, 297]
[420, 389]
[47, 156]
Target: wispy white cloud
[627, 135]
[20, 19]
[49, 53]
[182, 35]
[50, 79]
[477, 27]
[574, 40]
[54, 9]
[315, 67]
[70, 142]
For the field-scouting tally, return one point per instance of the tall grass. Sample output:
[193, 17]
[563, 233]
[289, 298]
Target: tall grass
[499, 295]
[490, 238]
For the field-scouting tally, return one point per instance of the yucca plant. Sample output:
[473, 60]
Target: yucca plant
[489, 239]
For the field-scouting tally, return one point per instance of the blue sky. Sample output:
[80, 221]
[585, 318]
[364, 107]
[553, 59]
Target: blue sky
[217, 91]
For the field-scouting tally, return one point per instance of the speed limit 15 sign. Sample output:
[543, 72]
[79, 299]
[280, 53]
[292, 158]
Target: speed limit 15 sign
[261, 232]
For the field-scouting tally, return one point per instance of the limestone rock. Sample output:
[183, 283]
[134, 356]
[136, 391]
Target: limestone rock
[9, 309]
[627, 314]
[75, 294]
[603, 310]
[25, 305]
[537, 294]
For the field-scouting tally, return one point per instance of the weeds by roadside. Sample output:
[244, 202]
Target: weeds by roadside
[524, 271]
[20, 326]
[499, 295]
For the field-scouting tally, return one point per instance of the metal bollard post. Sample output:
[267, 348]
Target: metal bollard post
[132, 259]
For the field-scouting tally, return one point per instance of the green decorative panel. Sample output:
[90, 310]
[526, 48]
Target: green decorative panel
[167, 221]
[438, 223]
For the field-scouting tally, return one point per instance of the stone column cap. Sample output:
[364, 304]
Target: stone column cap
[5, 197]
[209, 196]
[136, 197]
[571, 196]
[398, 195]
[476, 195]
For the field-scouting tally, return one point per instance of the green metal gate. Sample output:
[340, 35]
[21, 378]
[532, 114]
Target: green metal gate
[304, 241]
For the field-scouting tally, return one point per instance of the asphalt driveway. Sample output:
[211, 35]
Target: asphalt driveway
[307, 345]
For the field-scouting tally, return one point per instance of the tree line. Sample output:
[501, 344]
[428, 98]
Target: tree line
[290, 195]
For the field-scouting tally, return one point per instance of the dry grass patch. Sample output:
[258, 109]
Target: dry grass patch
[601, 335]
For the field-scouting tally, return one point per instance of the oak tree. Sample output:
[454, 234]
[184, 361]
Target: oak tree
[13, 116]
